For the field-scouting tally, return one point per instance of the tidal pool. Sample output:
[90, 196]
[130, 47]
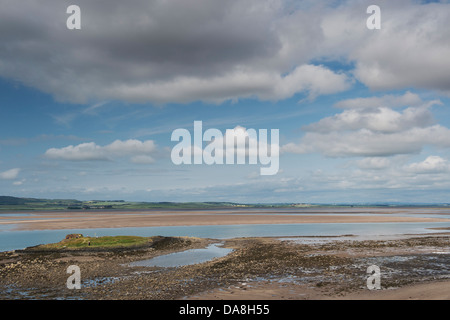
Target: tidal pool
[178, 259]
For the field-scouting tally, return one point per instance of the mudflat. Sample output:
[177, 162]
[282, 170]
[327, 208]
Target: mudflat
[415, 267]
[122, 219]
[266, 290]
[257, 268]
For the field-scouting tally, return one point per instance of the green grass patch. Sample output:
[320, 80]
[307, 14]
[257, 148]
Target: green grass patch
[98, 242]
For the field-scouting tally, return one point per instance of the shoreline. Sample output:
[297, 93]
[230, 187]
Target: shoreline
[316, 267]
[432, 290]
[258, 268]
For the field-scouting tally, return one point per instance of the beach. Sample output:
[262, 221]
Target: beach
[274, 291]
[155, 218]
[413, 266]
[257, 269]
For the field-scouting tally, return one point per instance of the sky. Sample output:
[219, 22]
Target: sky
[363, 114]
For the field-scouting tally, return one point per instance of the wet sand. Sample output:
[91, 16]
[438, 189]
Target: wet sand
[122, 219]
[258, 269]
[275, 291]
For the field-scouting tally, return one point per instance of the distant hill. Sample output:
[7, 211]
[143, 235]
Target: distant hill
[16, 203]
[8, 203]
[7, 200]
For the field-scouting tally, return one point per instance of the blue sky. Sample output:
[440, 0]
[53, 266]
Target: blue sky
[363, 114]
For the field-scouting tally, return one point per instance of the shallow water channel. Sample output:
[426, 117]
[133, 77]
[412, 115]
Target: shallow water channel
[11, 239]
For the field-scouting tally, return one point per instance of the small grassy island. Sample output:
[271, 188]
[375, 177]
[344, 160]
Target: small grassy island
[73, 241]
[120, 244]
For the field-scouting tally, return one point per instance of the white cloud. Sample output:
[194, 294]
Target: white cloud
[164, 51]
[386, 101]
[376, 163]
[10, 174]
[81, 152]
[373, 131]
[432, 164]
[383, 119]
[310, 79]
[91, 151]
[316, 80]
[131, 146]
[364, 142]
[410, 50]
[242, 142]
[214, 50]
[377, 114]
[142, 159]
[19, 182]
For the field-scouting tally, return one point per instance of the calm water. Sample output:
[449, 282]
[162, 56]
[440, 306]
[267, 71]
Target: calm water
[187, 257]
[12, 240]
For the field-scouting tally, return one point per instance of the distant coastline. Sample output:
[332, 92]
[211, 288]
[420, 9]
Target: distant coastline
[10, 203]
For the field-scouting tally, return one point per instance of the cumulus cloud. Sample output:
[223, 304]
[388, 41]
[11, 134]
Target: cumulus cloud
[214, 50]
[378, 118]
[376, 163]
[386, 101]
[81, 152]
[243, 143]
[364, 142]
[432, 164]
[410, 49]
[142, 159]
[19, 182]
[138, 151]
[310, 79]
[161, 51]
[373, 132]
[10, 174]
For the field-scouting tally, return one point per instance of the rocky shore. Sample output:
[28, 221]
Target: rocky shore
[331, 269]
